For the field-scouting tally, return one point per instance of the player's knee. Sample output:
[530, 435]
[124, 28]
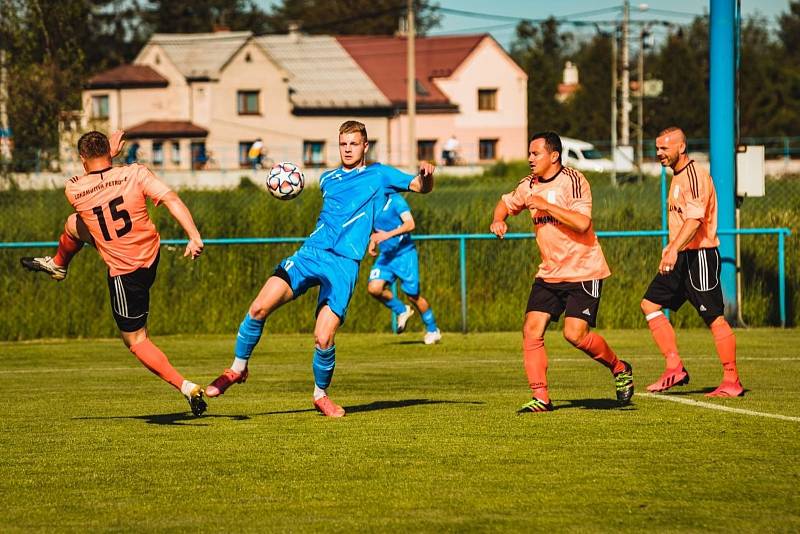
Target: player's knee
[258, 311]
[71, 226]
[375, 289]
[648, 307]
[323, 339]
[575, 335]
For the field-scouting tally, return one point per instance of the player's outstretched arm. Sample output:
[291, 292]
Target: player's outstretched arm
[423, 182]
[408, 226]
[499, 226]
[182, 214]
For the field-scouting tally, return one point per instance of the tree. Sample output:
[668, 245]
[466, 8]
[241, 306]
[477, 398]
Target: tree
[351, 17]
[165, 16]
[540, 51]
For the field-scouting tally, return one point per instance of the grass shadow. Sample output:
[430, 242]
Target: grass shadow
[591, 404]
[379, 405]
[697, 391]
[174, 419]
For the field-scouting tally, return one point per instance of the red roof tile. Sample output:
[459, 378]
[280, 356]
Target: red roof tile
[384, 61]
[165, 129]
[127, 76]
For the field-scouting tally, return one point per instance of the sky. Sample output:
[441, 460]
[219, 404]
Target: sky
[675, 11]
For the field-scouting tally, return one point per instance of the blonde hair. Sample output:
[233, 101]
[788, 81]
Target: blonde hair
[353, 127]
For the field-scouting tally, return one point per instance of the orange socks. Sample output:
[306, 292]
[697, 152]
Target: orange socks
[68, 246]
[664, 336]
[596, 347]
[535, 358]
[155, 360]
[725, 340]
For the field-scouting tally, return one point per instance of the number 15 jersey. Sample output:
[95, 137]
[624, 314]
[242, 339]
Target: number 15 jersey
[111, 202]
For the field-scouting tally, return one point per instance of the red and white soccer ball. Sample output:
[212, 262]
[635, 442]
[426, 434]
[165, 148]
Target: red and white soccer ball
[285, 180]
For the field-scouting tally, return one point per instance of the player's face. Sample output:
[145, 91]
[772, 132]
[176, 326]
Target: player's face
[668, 149]
[541, 161]
[352, 148]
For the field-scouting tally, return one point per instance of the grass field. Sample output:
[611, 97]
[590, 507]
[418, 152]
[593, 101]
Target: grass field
[91, 441]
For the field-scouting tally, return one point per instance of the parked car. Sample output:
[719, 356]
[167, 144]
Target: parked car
[585, 157]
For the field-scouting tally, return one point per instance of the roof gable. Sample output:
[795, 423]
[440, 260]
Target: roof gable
[384, 60]
[321, 72]
[200, 55]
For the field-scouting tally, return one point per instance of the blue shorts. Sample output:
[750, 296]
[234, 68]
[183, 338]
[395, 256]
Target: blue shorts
[335, 275]
[405, 267]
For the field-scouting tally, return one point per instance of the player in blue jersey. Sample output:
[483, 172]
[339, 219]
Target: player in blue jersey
[398, 259]
[352, 196]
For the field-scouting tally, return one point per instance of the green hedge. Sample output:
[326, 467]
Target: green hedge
[212, 294]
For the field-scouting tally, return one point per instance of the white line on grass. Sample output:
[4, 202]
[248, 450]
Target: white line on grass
[711, 406]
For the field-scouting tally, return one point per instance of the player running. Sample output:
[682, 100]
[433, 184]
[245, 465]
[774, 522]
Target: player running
[570, 277]
[689, 268]
[352, 196]
[398, 259]
[111, 215]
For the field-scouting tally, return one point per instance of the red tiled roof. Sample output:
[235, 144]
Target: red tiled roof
[384, 61]
[165, 129]
[127, 76]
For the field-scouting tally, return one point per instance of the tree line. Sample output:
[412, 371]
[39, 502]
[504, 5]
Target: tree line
[54, 46]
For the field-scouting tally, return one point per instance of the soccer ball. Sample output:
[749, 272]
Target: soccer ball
[285, 180]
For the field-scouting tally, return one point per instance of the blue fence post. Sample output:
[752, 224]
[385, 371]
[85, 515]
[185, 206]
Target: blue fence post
[462, 260]
[394, 315]
[781, 279]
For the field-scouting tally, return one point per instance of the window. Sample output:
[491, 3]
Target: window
[100, 107]
[487, 149]
[372, 151]
[572, 155]
[175, 152]
[247, 103]
[158, 153]
[314, 153]
[487, 99]
[244, 148]
[425, 149]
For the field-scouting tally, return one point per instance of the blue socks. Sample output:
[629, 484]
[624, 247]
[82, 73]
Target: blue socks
[249, 334]
[396, 305]
[430, 322]
[324, 363]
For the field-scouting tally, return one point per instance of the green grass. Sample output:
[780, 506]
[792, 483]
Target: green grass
[91, 441]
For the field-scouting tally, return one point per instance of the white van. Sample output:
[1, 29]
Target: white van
[585, 157]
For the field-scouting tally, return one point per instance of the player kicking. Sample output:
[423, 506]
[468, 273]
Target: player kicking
[398, 259]
[111, 214]
[352, 196]
[689, 268]
[570, 277]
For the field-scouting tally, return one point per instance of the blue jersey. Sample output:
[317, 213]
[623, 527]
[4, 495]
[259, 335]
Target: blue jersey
[389, 219]
[351, 201]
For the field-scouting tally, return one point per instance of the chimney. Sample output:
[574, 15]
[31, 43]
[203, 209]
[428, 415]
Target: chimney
[294, 32]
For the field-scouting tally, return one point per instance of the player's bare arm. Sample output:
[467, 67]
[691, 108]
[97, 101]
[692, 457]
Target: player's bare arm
[182, 214]
[499, 226]
[670, 253]
[423, 182]
[379, 236]
[569, 218]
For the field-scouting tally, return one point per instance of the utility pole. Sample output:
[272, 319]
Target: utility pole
[625, 124]
[640, 107]
[411, 87]
[614, 83]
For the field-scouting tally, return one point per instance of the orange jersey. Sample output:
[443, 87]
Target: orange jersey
[567, 255]
[692, 196]
[112, 204]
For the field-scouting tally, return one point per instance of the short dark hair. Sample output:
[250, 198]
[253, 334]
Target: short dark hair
[551, 141]
[93, 145]
[353, 127]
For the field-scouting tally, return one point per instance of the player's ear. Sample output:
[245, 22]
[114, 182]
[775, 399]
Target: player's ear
[555, 157]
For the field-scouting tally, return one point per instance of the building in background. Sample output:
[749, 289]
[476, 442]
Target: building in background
[198, 101]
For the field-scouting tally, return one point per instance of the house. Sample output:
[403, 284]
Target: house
[192, 101]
